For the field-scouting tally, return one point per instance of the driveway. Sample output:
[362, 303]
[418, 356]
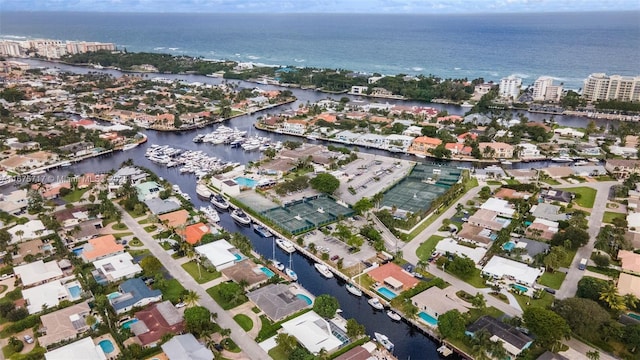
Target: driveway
[249, 347]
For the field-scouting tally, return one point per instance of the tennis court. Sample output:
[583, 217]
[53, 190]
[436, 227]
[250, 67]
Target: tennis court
[306, 214]
[418, 190]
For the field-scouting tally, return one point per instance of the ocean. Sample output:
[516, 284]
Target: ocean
[567, 46]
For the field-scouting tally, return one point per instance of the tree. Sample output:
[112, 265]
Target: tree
[584, 316]
[630, 301]
[150, 265]
[576, 236]
[611, 297]
[479, 301]
[631, 337]
[410, 311]
[377, 199]
[326, 306]
[554, 259]
[590, 288]
[191, 298]
[325, 183]
[286, 342]
[601, 260]
[197, 319]
[462, 266]
[354, 329]
[363, 205]
[270, 153]
[548, 327]
[451, 325]
[593, 355]
[5, 239]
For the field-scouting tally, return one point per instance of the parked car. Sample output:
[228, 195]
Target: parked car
[180, 305]
[28, 339]
[335, 257]
[550, 290]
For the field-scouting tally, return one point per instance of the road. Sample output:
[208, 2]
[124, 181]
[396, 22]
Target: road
[570, 283]
[239, 336]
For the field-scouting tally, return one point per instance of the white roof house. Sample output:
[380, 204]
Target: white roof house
[451, 246]
[499, 267]
[313, 332]
[32, 229]
[633, 221]
[37, 272]
[49, 294]
[117, 267]
[502, 207]
[218, 253]
[85, 347]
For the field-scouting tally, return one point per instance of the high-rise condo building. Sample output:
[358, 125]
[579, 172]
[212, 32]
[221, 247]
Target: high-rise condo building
[510, 87]
[599, 86]
[544, 90]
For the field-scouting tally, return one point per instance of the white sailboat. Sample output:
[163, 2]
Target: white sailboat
[277, 264]
[289, 271]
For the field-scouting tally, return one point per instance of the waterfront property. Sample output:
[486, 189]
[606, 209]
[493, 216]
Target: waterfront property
[313, 332]
[221, 254]
[435, 302]
[392, 279]
[416, 192]
[85, 346]
[513, 341]
[277, 301]
[307, 214]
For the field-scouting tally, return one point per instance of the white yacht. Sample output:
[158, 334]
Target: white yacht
[202, 190]
[393, 315]
[354, 290]
[278, 265]
[220, 202]
[324, 270]
[240, 217]
[375, 303]
[562, 159]
[210, 213]
[285, 245]
[384, 341]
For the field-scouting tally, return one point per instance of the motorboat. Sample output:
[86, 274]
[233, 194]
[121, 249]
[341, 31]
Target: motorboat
[39, 172]
[506, 162]
[278, 265]
[262, 231]
[354, 290]
[285, 245]
[581, 163]
[594, 160]
[393, 315]
[384, 341]
[291, 274]
[324, 270]
[444, 350]
[240, 217]
[375, 303]
[202, 190]
[466, 105]
[562, 159]
[220, 202]
[65, 164]
[129, 146]
[210, 213]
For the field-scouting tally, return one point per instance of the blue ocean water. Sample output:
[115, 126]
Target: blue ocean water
[568, 46]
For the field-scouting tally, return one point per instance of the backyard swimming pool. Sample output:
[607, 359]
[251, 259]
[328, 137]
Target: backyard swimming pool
[127, 324]
[238, 257]
[267, 272]
[520, 288]
[245, 182]
[387, 293]
[113, 295]
[305, 298]
[75, 291]
[107, 346]
[635, 316]
[509, 245]
[77, 251]
[428, 318]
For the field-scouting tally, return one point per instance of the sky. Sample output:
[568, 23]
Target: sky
[323, 6]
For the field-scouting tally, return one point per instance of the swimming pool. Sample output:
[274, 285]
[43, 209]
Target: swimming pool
[267, 272]
[305, 298]
[509, 245]
[75, 291]
[520, 288]
[635, 316]
[428, 318]
[77, 251]
[245, 182]
[127, 324]
[113, 295]
[387, 293]
[107, 346]
[238, 257]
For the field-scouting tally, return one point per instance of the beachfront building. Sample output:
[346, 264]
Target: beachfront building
[599, 86]
[544, 90]
[513, 341]
[501, 268]
[510, 87]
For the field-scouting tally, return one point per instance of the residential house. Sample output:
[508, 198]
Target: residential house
[531, 248]
[568, 132]
[542, 229]
[15, 202]
[621, 169]
[100, 248]
[528, 150]
[435, 301]
[501, 207]
[563, 197]
[451, 246]
[85, 347]
[496, 150]
[398, 142]
[277, 301]
[294, 126]
[313, 332]
[422, 145]
[221, 254]
[548, 212]
[38, 272]
[476, 235]
[629, 284]
[155, 322]
[50, 294]
[513, 341]
[630, 262]
[186, 347]
[115, 268]
[130, 174]
[501, 268]
[134, 293]
[458, 149]
[488, 219]
[148, 190]
[193, 233]
[64, 324]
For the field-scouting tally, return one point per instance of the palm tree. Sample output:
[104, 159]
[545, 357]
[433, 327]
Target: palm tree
[593, 355]
[286, 342]
[479, 301]
[20, 233]
[481, 344]
[631, 301]
[191, 298]
[323, 354]
[377, 199]
[422, 265]
[192, 255]
[610, 296]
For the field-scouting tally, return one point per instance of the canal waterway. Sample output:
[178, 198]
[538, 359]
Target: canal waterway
[409, 342]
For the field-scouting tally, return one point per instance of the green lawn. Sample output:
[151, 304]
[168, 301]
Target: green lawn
[425, 249]
[609, 216]
[120, 227]
[192, 268]
[278, 353]
[493, 182]
[244, 321]
[552, 280]
[512, 181]
[139, 252]
[604, 178]
[119, 236]
[75, 195]
[150, 228]
[228, 295]
[474, 280]
[569, 259]
[587, 196]
[550, 181]
[544, 302]
[475, 314]
[172, 291]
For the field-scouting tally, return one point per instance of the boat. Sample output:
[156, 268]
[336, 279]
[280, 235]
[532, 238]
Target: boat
[240, 217]
[420, 156]
[581, 163]
[466, 105]
[289, 271]
[375, 303]
[65, 164]
[285, 245]
[393, 315]
[220, 202]
[354, 290]
[39, 172]
[562, 159]
[262, 231]
[278, 265]
[594, 160]
[210, 213]
[324, 270]
[129, 146]
[199, 138]
[384, 341]
[202, 190]
[506, 162]
[444, 350]
[5, 179]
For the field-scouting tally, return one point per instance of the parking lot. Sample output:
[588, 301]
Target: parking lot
[370, 174]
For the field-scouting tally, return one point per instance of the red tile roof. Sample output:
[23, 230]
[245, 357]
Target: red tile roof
[395, 271]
